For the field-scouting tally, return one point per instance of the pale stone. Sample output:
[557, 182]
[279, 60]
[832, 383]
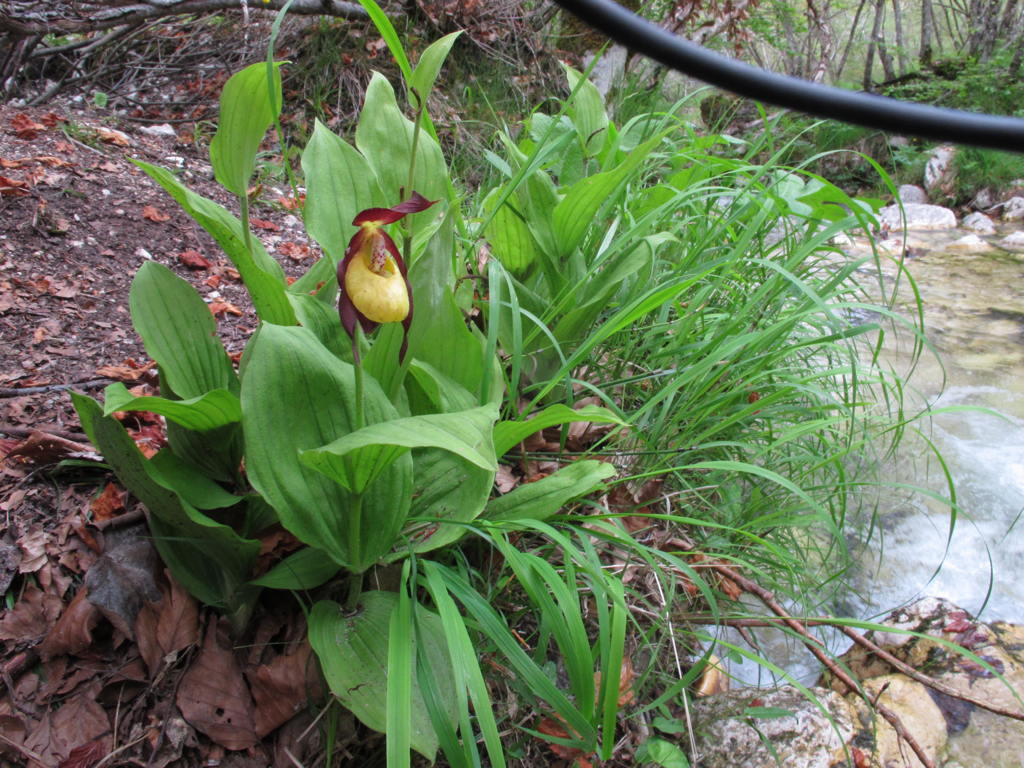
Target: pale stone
[913, 705]
[161, 129]
[919, 216]
[806, 738]
[911, 193]
[938, 173]
[609, 69]
[1013, 242]
[978, 222]
[969, 244]
[1013, 209]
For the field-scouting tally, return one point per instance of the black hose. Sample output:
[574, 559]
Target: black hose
[865, 109]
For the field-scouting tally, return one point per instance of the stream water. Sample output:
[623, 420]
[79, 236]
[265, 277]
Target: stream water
[974, 318]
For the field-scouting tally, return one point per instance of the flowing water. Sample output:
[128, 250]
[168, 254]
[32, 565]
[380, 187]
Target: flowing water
[974, 319]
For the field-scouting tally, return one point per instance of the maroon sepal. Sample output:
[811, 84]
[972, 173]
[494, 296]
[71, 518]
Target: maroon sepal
[414, 204]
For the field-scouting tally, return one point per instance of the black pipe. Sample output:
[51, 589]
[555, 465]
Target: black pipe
[869, 110]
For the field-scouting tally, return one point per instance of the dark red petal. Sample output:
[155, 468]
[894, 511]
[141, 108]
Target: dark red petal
[346, 309]
[414, 204]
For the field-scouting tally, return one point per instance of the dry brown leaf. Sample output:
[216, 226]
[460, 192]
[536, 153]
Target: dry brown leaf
[33, 550]
[25, 127]
[112, 136]
[13, 187]
[193, 260]
[506, 479]
[213, 696]
[79, 721]
[224, 307]
[626, 676]
[269, 226]
[152, 213]
[108, 504]
[122, 580]
[281, 688]
[73, 631]
[85, 756]
[31, 617]
[42, 448]
[168, 625]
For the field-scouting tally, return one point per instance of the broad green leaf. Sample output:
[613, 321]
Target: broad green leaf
[245, 114]
[663, 753]
[339, 184]
[446, 488]
[445, 394]
[296, 395]
[306, 569]
[358, 459]
[322, 319]
[179, 332]
[193, 487]
[353, 651]
[209, 559]
[263, 277]
[439, 335]
[216, 408]
[508, 433]
[385, 137]
[509, 235]
[217, 453]
[544, 498]
[428, 66]
[575, 214]
[588, 111]
[398, 706]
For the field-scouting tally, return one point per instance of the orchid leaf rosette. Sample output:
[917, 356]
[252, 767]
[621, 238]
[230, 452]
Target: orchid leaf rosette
[373, 276]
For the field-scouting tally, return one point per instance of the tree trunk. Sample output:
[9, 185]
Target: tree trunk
[876, 34]
[826, 43]
[927, 33]
[901, 50]
[838, 72]
[883, 49]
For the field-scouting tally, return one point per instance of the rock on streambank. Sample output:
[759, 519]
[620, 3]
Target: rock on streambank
[756, 728]
[918, 216]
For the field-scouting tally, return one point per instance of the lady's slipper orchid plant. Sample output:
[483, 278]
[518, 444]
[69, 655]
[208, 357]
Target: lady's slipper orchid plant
[373, 276]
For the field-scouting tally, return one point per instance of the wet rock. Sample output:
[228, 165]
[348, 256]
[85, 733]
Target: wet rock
[918, 216]
[952, 641]
[939, 174]
[1013, 242]
[919, 715]
[978, 222]
[729, 732]
[1013, 209]
[969, 244]
[911, 193]
[984, 199]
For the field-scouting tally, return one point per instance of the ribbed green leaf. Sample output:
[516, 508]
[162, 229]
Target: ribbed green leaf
[245, 114]
[588, 113]
[428, 66]
[263, 277]
[216, 408]
[306, 569]
[353, 651]
[339, 184]
[296, 396]
[385, 137]
[544, 498]
[357, 459]
[179, 332]
[209, 559]
[508, 433]
[509, 234]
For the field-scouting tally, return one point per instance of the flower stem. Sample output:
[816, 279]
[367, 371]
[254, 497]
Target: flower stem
[355, 526]
[355, 591]
[360, 420]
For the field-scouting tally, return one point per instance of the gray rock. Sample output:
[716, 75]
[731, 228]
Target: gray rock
[978, 222]
[609, 69]
[1013, 242]
[969, 244]
[728, 737]
[162, 129]
[919, 216]
[911, 193]
[984, 199]
[938, 173]
[1013, 209]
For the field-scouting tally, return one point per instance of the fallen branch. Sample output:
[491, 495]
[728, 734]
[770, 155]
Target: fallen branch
[19, 391]
[814, 646]
[24, 17]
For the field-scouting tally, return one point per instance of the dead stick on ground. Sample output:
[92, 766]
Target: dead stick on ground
[814, 646]
[932, 683]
